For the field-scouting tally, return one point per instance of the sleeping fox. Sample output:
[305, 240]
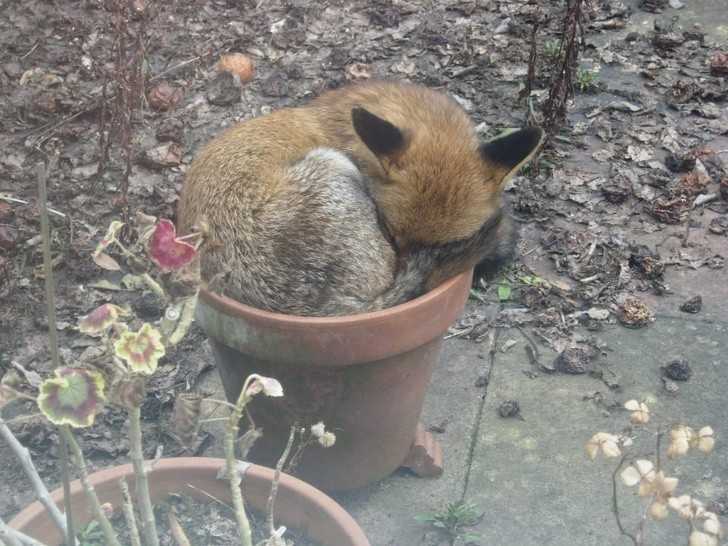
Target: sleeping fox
[366, 197]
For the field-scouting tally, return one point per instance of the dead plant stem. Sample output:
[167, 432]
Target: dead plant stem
[88, 487]
[149, 527]
[270, 521]
[615, 504]
[41, 491]
[43, 173]
[7, 537]
[129, 517]
[233, 472]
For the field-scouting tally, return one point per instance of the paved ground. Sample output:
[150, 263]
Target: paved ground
[530, 477]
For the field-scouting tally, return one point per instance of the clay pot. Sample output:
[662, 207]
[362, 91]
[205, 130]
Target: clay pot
[364, 376]
[298, 505]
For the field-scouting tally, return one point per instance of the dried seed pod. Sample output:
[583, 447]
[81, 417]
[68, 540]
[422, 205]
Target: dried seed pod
[635, 314]
[164, 96]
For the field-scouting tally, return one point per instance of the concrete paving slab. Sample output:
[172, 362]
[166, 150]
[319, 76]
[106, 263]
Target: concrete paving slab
[531, 476]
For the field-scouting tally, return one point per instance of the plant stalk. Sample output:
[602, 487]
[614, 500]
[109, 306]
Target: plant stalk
[7, 536]
[149, 527]
[43, 173]
[128, 508]
[99, 515]
[231, 433]
[270, 523]
[41, 491]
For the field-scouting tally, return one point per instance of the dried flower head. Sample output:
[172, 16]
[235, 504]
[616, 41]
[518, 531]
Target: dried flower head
[73, 397]
[266, 385]
[327, 439]
[705, 440]
[640, 412]
[100, 319]
[698, 538]
[318, 429]
[141, 350]
[102, 259]
[680, 439]
[604, 442]
[687, 507]
[650, 482]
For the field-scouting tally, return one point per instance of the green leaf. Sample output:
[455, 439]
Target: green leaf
[504, 292]
[533, 280]
[73, 397]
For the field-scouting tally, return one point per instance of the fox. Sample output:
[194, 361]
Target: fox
[367, 196]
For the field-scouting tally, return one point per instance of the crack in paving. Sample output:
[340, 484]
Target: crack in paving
[494, 334]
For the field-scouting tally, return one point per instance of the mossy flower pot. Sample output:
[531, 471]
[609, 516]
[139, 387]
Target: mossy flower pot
[299, 505]
[365, 376]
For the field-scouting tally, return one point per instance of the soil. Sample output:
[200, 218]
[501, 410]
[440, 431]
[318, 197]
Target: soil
[620, 201]
[204, 523]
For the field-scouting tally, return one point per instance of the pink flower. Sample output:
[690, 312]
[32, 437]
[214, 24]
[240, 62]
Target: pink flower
[166, 250]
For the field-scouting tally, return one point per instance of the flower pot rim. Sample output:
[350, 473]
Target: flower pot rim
[207, 468]
[233, 307]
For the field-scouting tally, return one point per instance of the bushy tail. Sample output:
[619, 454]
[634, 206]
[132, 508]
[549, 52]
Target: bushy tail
[409, 282]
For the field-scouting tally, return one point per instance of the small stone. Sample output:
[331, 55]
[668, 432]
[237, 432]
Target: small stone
[165, 155]
[224, 90]
[595, 313]
[503, 27]
[12, 69]
[164, 96]
[719, 225]
[676, 4]
[719, 64]
[509, 408]
[574, 360]
[615, 193]
[170, 129]
[275, 85]
[6, 211]
[680, 162]
[678, 370]
[670, 385]
[482, 381]
[8, 237]
[635, 314]
[693, 305]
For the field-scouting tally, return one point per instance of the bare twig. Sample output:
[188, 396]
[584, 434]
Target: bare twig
[43, 173]
[128, 509]
[41, 491]
[8, 535]
[562, 88]
[615, 504]
[270, 522]
[178, 533]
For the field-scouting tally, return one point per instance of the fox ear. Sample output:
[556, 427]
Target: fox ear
[507, 154]
[380, 136]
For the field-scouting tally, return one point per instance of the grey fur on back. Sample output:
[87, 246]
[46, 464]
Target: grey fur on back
[317, 249]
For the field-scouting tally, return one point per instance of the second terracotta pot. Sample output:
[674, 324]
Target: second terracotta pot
[365, 376]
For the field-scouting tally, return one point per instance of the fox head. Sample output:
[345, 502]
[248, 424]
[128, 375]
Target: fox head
[440, 182]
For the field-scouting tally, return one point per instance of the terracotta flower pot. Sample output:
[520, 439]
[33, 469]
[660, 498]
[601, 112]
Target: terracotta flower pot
[298, 506]
[364, 376]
